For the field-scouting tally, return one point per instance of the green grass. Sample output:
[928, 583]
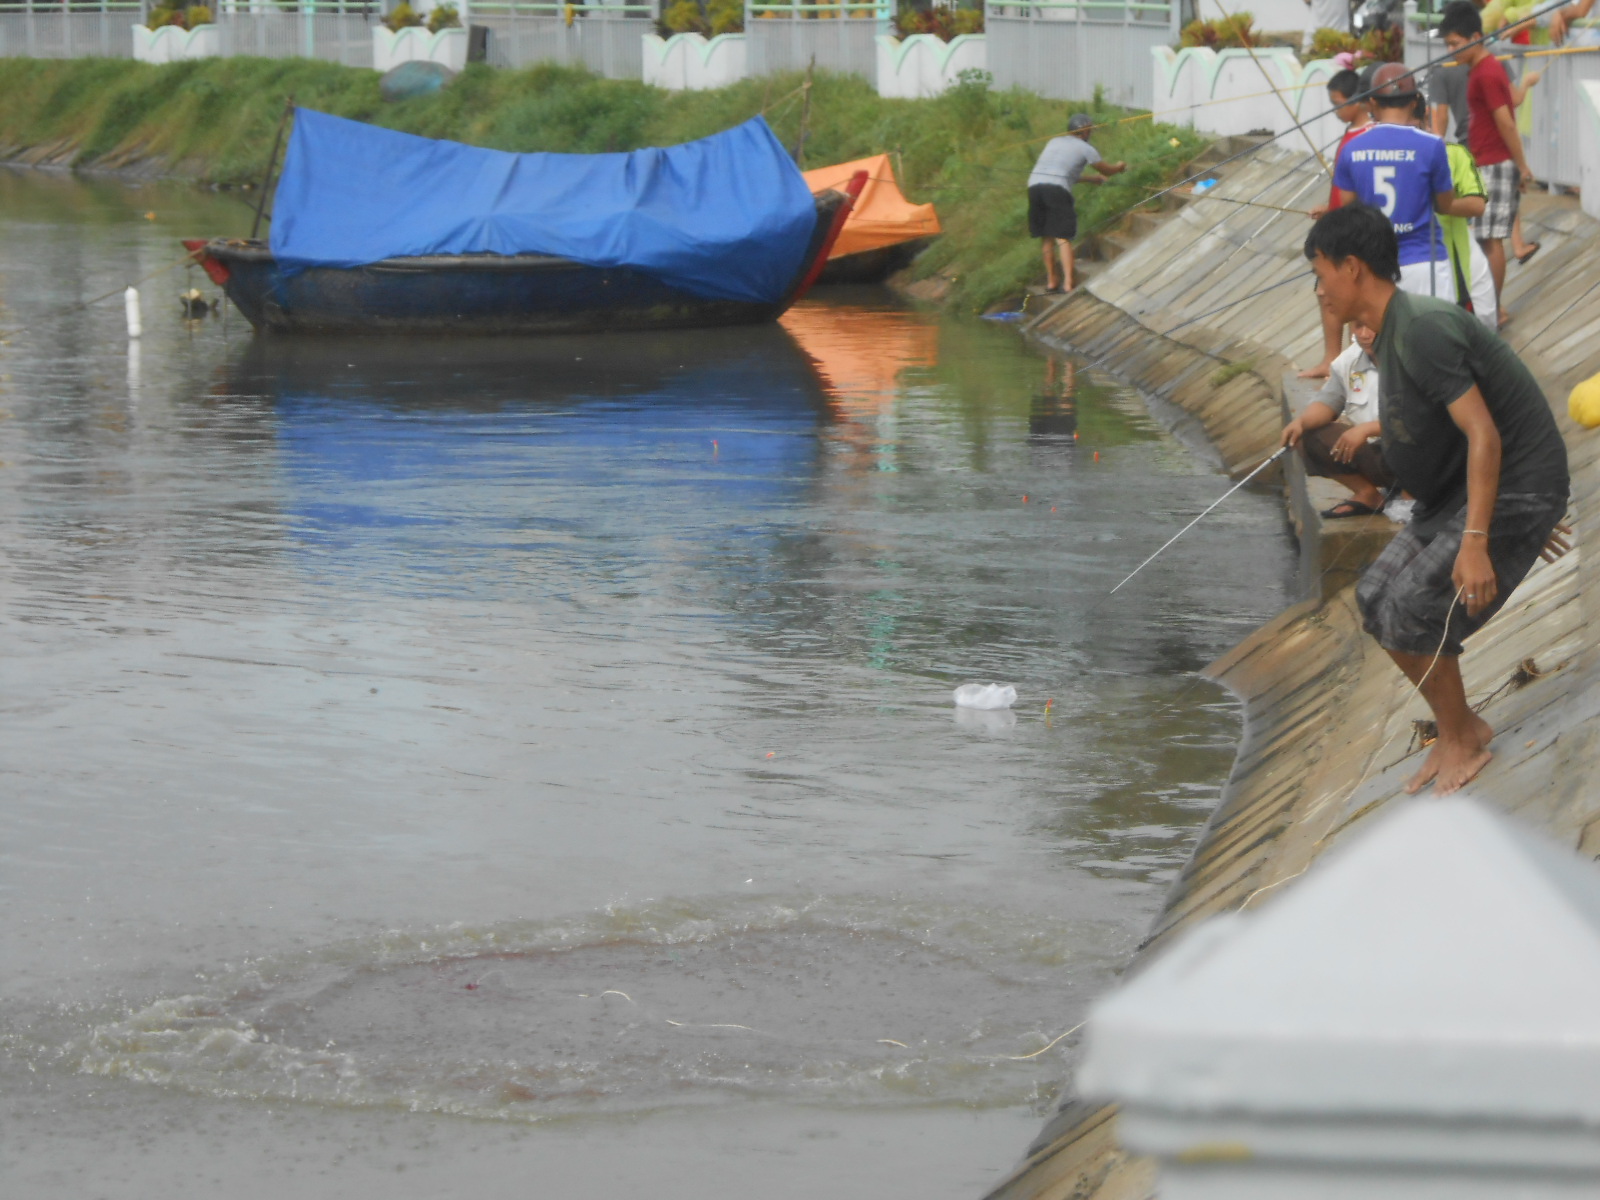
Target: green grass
[969, 150]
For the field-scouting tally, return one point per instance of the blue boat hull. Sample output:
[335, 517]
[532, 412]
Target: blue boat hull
[479, 293]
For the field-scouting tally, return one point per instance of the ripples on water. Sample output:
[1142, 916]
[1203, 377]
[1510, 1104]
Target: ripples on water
[376, 713]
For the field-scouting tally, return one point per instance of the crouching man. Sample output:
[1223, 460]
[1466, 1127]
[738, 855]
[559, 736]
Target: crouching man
[1465, 430]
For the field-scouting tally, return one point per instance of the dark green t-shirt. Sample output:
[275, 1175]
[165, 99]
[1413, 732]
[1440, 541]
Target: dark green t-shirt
[1429, 353]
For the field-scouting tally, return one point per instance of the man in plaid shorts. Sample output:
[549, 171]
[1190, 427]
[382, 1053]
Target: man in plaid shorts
[1466, 430]
[1491, 136]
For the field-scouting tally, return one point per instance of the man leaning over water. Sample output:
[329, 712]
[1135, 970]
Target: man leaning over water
[1052, 208]
[1466, 430]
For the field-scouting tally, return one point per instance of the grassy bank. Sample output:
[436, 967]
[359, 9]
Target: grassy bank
[969, 150]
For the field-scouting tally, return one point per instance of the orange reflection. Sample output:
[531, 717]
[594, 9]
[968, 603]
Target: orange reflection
[860, 352]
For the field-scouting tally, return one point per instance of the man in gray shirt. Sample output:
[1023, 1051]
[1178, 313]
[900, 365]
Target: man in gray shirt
[1052, 212]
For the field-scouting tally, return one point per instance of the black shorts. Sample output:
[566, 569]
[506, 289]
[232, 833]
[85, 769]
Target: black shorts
[1051, 212]
[1407, 595]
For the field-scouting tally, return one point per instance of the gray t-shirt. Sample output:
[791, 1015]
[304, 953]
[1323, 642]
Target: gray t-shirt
[1448, 85]
[1429, 353]
[1063, 162]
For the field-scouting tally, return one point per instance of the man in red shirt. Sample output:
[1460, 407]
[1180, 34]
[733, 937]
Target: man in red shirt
[1491, 135]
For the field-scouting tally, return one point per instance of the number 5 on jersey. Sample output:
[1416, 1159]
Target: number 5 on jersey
[1383, 184]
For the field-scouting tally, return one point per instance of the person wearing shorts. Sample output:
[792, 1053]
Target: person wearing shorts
[1491, 136]
[1467, 432]
[1052, 211]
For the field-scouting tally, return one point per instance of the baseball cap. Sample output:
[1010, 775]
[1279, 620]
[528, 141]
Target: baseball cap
[1079, 121]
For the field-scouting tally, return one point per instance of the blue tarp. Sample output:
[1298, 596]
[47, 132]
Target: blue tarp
[727, 217]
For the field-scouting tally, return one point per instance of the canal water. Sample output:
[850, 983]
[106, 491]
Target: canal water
[450, 768]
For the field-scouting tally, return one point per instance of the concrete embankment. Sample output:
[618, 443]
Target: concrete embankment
[1329, 722]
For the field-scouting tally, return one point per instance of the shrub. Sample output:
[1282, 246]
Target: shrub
[726, 16]
[163, 16]
[684, 16]
[1223, 33]
[402, 16]
[197, 15]
[443, 16]
[716, 17]
[1325, 43]
[943, 21]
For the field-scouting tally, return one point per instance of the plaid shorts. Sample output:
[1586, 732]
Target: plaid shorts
[1503, 184]
[1407, 594]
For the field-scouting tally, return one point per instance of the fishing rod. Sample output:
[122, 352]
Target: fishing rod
[1279, 454]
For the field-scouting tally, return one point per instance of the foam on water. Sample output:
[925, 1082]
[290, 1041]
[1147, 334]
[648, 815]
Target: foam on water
[632, 1009]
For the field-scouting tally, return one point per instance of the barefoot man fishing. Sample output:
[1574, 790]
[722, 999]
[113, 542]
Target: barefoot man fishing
[1466, 430]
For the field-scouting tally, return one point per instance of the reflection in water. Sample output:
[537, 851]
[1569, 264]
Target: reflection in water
[344, 675]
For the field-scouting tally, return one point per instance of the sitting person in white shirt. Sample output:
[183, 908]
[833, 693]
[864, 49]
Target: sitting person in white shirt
[1338, 433]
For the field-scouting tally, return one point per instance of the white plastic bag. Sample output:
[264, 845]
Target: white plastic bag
[985, 695]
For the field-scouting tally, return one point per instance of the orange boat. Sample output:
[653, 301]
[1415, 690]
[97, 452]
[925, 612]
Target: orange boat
[884, 231]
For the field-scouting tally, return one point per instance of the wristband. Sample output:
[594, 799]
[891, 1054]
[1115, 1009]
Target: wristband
[1479, 532]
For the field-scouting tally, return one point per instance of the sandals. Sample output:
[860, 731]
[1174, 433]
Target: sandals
[1348, 508]
[1528, 253]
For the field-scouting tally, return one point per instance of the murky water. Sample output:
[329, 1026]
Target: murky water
[436, 767]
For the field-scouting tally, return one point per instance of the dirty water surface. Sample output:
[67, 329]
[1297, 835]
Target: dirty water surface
[487, 766]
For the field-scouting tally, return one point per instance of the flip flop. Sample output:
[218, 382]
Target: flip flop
[1049, 291]
[1348, 508]
[1529, 252]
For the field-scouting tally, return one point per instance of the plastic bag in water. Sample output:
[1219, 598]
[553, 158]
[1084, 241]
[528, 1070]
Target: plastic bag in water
[985, 695]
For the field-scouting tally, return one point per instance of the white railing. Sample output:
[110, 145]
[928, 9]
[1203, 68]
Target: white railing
[78, 30]
[840, 37]
[1067, 48]
[605, 38]
[331, 30]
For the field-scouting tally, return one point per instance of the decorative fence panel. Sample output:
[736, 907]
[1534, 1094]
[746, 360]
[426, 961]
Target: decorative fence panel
[30, 30]
[1066, 48]
[840, 37]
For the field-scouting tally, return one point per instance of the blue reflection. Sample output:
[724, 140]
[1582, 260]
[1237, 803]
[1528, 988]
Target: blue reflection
[459, 468]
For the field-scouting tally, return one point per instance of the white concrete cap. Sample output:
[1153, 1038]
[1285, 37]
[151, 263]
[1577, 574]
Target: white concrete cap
[1446, 963]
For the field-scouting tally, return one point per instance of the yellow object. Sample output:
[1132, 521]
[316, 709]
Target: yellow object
[881, 216]
[1584, 403]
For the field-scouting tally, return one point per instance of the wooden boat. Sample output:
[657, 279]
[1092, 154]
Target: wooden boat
[884, 231]
[487, 293]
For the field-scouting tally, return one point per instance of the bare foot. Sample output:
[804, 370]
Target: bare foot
[1452, 764]
[1320, 371]
[1459, 767]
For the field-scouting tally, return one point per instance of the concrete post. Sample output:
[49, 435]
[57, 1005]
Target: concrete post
[1588, 117]
[1419, 1017]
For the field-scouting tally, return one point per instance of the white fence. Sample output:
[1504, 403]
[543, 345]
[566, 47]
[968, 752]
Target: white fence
[1067, 48]
[29, 30]
[603, 38]
[330, 30]
[839, 37]
[1234, 91]
[691, 62]
[921, 65]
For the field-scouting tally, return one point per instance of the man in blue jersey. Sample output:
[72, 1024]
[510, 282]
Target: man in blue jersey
[1405, 174]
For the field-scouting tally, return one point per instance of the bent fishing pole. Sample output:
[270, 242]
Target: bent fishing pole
[1282, 450]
